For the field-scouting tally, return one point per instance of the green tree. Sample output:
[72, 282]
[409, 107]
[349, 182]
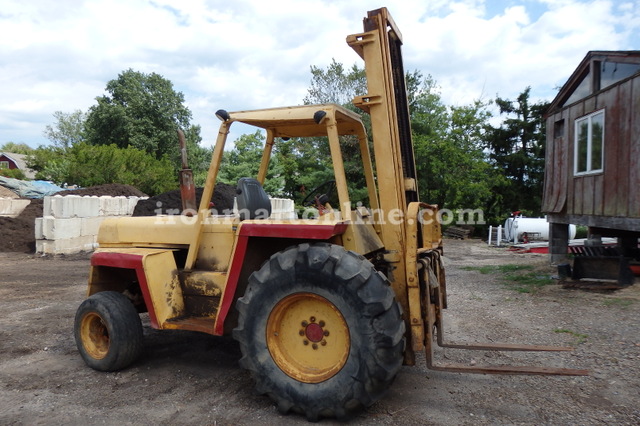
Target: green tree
[305, 164]
[335, 84]
[68, 129]
[50, 163]
[309, 161]
[452, 164]
[453, 168]
[16, 148]
[517, 149]
[143, 111]
[244, 161]
[12, 173]
[89, 165]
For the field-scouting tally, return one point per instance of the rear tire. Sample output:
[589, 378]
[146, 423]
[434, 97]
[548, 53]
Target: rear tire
[108, 331]
[320, 331]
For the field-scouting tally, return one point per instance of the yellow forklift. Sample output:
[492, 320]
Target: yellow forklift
[326, 309]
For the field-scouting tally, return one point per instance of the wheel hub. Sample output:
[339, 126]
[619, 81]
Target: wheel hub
[308, 337]
[314, 332]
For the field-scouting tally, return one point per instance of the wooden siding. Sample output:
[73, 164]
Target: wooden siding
[614, 191]
[12, 164]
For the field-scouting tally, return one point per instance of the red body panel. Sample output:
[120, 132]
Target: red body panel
[247, 231]
[307, 232]
[128, 261]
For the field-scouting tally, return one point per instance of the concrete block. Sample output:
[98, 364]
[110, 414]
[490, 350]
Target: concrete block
[91, 207]
[12, 207]
[38, 230]
[55, 229]
[84, 206]
[48, 205]
[43, 246]
[66, 245]
[124, 206]
[70, 206]
[91, 225]
[283, 208]
[110, 206]
[133, 202]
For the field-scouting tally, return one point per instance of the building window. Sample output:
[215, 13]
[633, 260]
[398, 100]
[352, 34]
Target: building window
[4, 164]
[558, 129]
[589, 143]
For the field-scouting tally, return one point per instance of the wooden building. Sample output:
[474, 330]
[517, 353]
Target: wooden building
[592, 170]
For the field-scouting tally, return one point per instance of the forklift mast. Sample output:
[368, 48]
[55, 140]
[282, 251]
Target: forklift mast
[386, 102]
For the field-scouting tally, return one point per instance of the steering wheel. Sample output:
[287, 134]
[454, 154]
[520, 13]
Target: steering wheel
[321, 194]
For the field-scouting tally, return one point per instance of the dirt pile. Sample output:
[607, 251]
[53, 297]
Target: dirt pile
[171, 203]
[18, 234]
[7, 193]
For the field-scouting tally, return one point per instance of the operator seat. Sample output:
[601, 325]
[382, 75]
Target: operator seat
[253, 202]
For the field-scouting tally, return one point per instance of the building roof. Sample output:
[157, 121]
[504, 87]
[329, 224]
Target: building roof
[20, 162]
[605, 67]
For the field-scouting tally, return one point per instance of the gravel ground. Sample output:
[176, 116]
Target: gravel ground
[194, 379]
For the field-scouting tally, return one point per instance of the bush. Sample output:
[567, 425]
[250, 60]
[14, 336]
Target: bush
[12, 173]
[90, 165]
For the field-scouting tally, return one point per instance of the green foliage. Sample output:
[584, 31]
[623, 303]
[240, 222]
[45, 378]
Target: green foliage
[517, 149]
[143, 111]
[244, 161]
[335, 84]
[12, 173]
[50, 163]
[452, 165]
[309, 160]
[16, 148]
[582, 231]
[305, 164]
[89, 165]
[129, 137]
[463, 162]
[617, 301]
[68, 130]
[580, 337]
[521, 278]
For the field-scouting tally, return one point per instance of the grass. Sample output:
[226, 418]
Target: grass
[616, 301]
[521, 278]
[581, 338]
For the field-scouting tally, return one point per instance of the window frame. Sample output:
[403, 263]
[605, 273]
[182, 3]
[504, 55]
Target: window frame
[5, 164]
[589, 118]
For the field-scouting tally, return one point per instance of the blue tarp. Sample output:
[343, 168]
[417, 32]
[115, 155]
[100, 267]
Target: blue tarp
[30, 188]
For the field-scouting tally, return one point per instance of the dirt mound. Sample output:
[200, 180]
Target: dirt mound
[171, 203]
[112, 189]
[18, 233]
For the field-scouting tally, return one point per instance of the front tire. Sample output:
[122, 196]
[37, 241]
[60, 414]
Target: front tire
[320, 331]
[108, 331]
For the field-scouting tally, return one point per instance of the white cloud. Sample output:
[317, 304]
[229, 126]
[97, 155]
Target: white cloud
[250, 54]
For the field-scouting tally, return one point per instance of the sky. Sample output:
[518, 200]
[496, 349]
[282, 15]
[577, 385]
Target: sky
[251, 54]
